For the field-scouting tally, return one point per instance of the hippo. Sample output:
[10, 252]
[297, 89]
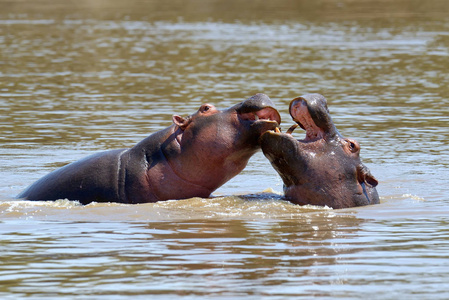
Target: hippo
[191, 158]
[323, 169]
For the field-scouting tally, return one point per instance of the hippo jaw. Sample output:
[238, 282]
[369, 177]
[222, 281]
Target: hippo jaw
[324, 168]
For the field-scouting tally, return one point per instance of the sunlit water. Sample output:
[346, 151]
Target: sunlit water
[77, 79]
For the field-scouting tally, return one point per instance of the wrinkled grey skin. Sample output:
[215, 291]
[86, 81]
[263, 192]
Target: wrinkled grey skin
[323, 169]
[191, 158]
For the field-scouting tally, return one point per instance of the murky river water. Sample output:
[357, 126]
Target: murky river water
[84, 76]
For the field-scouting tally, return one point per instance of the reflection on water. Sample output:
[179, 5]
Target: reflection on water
[76, 79]
[316, 253]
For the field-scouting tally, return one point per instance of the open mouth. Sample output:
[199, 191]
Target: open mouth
[300, 114]
[263, 115]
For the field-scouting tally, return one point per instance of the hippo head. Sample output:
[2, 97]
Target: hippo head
[212, 146]
[324, 168]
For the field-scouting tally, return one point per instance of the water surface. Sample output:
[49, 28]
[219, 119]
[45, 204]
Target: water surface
[77, 78]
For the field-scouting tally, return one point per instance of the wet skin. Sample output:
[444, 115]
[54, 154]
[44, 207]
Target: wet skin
[323, 169]
[191, 158]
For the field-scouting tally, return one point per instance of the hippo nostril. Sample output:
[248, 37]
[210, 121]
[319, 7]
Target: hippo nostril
[351, 146]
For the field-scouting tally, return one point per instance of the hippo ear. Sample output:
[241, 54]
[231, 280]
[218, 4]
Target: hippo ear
[180, 121]
[364, 175]
[371, 180]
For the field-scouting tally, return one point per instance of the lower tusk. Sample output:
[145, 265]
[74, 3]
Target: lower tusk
[290, 130]
[277, 130]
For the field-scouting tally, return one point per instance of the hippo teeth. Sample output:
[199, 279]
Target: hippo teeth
[293, 127]
[268, 114]
[257, 118]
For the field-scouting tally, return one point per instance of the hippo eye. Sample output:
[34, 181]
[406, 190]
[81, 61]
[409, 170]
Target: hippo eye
[205, 107]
